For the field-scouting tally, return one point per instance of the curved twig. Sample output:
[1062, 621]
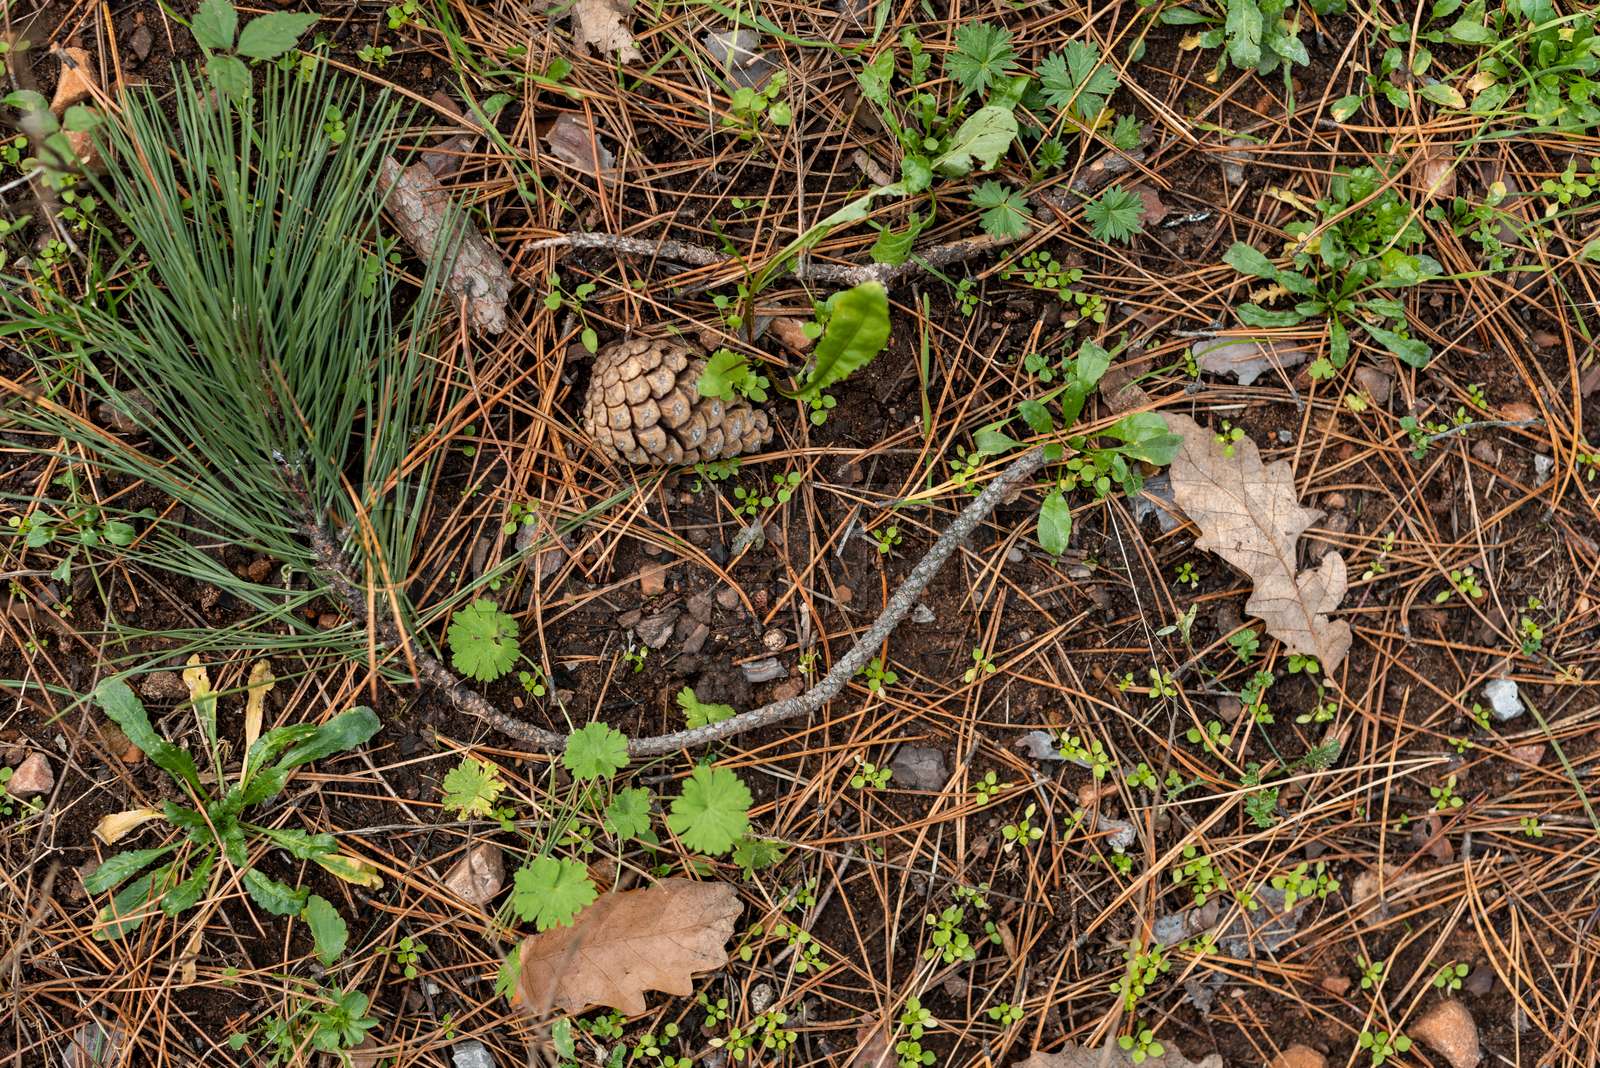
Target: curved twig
[342, 581]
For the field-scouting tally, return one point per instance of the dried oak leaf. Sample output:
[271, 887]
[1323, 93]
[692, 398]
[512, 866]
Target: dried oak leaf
[1074, 1056]
[1246, 358]
[603, 26]
[626, 943]
[1249, 515]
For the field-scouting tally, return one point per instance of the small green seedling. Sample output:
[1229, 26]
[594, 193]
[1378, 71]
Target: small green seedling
[1448, 978]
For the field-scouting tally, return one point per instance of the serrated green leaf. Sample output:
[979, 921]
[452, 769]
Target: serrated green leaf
[983, 56]
[1115, 215]
[874, 80]
[595, 751]
[329, 933]
[894, 247]
[483, 641]
[857, 330]
[1077, 80]
[712, 812]
[698, 713]
[271, 35]
[1055, 523]
[549, 892]
[185, 895]
[1006, 212]
[471, 788]
[276, 897]
[214, 25]
[229, 75]
[628, 814]
[131, 906]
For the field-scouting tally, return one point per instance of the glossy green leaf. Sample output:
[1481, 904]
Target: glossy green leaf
[118, 701]
[271, 35]
[343, 732]
[214, 24]
[329, 934]
[185, 895]
[1253, 315]
[120, 867]
[978, 143]
[1146, 437]
[857, 330]
[1055, 523]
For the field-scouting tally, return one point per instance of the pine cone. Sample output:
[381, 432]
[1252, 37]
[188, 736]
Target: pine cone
[643, 407]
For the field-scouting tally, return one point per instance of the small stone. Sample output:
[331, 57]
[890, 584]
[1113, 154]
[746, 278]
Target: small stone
[919, 768]
[1519, 412]
[774, 640]
[1285, 437]
[1532, 753]
[118, 745]
[1449, 1028]
[1480, 982]
[32, 778]
[655, 631]
[696, 639]
[1014, 555]
[1542, 466]
[164, 686]
[1298, 1056]
[1485, 452]
[141, 41]
[259, 569]
[471, 1054]
[699, 607]
[653, 580]
[787, 690]
[1335, 501]
[479, 875]
[1337, 985]
[766, 669]
[1233, 163]
[845, 594]
[77, 77]
[791, 334]
[761, 997]
[728, 598]
[921, 613]
[362, 1056]
[1503, 699]
[1377, 384]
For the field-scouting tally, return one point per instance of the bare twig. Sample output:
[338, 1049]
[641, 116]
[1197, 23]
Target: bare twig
[337, 570]
[930, 259]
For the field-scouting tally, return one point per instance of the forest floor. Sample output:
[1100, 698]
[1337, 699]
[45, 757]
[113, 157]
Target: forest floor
[1222, 843]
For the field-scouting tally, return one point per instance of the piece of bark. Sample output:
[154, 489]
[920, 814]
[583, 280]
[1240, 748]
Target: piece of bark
[424, 214]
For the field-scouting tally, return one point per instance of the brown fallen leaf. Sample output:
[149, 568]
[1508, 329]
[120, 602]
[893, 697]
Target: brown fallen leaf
[422, 211]
[872, 1045]
[1249, 515]
[1075, 1056]
[1154, 209]
[626, 943]
[603, 26]
[1245, 358]
[574, 141]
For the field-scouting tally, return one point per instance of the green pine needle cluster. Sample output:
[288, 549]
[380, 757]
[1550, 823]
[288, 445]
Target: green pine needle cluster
[277, 372]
